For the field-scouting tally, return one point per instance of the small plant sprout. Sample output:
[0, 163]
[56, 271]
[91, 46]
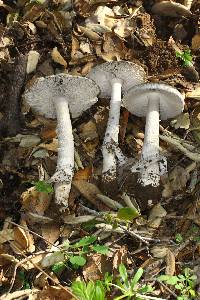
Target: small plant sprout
[154, 101]
[55, 97]
[113, 78]
[186, 57]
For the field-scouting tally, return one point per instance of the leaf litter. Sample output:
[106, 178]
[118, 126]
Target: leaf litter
[43, 251]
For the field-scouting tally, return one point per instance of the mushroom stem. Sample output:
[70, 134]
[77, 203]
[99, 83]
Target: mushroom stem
[65, 162]
[150, 151]
[112, 131]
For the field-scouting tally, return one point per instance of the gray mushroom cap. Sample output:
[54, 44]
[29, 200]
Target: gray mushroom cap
[130, 74]
[80, 93]
[137, 98]
[171, 9]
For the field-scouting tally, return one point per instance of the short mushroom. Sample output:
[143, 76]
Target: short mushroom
[55, 97]
[155, 101]
[113, 78]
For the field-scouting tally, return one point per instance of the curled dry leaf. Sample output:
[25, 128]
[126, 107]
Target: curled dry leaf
[182, 121]
[156, 215]
[52, 293]
[33, 58]
[176, 181]
[170, 263]
[57, 57]
[50, 232]
[159, 251]
[96, 267]
[23, 240]
[35, 201]
[6, 235]
[89, 191]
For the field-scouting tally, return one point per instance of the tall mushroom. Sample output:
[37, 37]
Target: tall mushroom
[153, 100]
[113, 78]
[55, 97]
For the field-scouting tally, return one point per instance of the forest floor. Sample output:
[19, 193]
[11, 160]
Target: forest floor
[150, 247]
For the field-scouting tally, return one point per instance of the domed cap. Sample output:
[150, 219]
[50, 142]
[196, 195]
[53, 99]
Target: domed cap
[80, 93]
[171, 9]
[130, 74]
[137, 98]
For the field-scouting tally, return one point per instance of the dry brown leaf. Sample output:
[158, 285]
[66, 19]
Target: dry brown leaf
[170, 263]
[6, 235]
[57, 57]
[33, 58]
[93, 36]
[176, 181]
[159, 251]
[89, 191]
[96, 267]
[156, 215]
[196, 41]
[48, 133]
[53, 146]
[181, 121]
[83, 174]
[120, 257]
[53, 293]
[23, 240]
[50, 232]
[35, 201]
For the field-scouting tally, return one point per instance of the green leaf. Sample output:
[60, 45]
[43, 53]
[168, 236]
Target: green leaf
[90, 290]
[43, 186]
[58, 267]
[123, 272]
[127, 213]
[172, 280]
[102, 249]
[79, 289]
[136, 277]
[77, 260]
[99, 291]
[87, 240]
[178, 238]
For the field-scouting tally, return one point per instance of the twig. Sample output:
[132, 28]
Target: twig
[20, 294]
[192, 155]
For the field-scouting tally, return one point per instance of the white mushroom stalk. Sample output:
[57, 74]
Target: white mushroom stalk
[155, 102]
[57, 96]
[114, 78]
[150, 172]
[112, 132]
[65, 162]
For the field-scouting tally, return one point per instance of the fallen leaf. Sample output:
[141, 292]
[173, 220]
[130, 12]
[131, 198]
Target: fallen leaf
[72, 220]
[57, 57]
[176, 181]
[52, 293]
[182, 121]
[195, 94]
[52, 258]
[35, 201]
[6, 235]
[33, 58]
[196, 41]
[89, 191]
[156, 215]
[50, 232]
[83, 174]
[53, 146]
[159, 251]
[96, 267]
[170, 263]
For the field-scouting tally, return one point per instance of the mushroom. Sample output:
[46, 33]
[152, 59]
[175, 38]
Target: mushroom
[171, 9]
[55, 97]
[153, 100]
[113, 78]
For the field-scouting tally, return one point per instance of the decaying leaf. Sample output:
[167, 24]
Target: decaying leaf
[176, 181]
[57, 57]
[170, 263]
[97, 265]
[156, 215]
[195, 94]
[35, 201]
[6, 235]
[196, 41]
[33, 58]
[182, 121]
